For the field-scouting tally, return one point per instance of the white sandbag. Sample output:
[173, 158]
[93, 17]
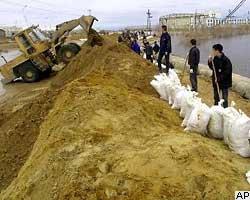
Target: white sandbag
[159, 77]
[156, 85]
[215, 126]
[230, 115]
[171, 93]
[192, 102]
[248, 177]
[181, 93]
[184, 102]
[159, 86]
[238, 137]
[199, 119]
[174, 77]
[165, 86]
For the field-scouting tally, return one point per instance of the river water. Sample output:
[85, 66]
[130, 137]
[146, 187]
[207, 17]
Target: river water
[237, 48]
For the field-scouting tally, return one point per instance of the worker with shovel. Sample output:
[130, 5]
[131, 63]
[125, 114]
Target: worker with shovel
[222, 74]
[193, 61]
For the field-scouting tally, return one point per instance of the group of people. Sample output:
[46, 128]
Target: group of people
[218, 62]
[221, 67]
[150, 51]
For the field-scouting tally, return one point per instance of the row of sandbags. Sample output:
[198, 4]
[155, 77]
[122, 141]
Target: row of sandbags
[217, 122]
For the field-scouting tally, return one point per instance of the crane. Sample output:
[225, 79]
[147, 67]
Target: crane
[235, 9]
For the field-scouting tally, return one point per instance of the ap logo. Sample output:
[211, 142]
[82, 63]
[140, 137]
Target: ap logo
[242, 195]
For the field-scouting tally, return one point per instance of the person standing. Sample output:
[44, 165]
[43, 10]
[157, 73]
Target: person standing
[136, 47]
[193, 61]
[149, 52]
[165, 48]
[222, 74]
[156, 49]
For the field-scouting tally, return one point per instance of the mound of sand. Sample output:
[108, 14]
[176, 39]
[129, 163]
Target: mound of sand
[108, 136]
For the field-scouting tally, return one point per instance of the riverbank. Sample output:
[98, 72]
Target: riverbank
[241, 84]
[214, 32]
[235, 48]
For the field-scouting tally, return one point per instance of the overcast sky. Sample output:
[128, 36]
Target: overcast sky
[111, 13]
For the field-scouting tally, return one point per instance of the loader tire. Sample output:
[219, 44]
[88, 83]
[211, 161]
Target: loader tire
[47, 72]
[29, 73]
[76, 47]
[66, 53]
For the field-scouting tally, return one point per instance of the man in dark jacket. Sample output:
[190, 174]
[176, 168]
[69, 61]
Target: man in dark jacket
[222, 74]
[149, 52]
[193, 61]
[156, 48]
[165, 48]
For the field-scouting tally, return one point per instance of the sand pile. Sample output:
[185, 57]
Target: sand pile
[108, 136]
[19, 128]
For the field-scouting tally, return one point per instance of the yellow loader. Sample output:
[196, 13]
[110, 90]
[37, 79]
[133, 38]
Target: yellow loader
[39, 53]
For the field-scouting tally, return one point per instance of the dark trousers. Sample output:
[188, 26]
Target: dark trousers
[150, 58]
[193, 78]
[160, 57]
[224, 93]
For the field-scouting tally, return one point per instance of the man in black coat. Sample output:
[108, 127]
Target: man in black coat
[193, 61]
[149, 52]
[156, 48]
[165, 48]
[222, 74]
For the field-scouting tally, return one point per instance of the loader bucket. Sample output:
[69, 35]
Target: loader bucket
[93, 37]
[87, 22]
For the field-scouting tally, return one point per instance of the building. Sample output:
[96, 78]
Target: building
[211, 22]
[179, 21]
[10, 30]
[2, 34]
[188, 21]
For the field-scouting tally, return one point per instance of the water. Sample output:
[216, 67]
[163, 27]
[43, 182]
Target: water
[237, 48]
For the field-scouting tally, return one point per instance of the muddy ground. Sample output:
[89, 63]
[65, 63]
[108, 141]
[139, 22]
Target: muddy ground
[98, 130]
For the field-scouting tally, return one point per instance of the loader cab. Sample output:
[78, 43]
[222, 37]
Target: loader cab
[32, 41]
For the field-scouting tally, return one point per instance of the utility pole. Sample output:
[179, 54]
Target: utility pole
[149, 17]
[89, 10]
[24, 14]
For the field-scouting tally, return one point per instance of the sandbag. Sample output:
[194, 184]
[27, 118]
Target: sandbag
[156, 85]
[192, 102]
[215, 126]
[238, 137]
[180, 94]
[248, 177]
[230, 115]
[172, 89]
[199, 119]
[174, 77]
[184, 103]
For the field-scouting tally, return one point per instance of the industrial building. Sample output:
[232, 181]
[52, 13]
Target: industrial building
[9, 30]
[189, 21]
[185, 21]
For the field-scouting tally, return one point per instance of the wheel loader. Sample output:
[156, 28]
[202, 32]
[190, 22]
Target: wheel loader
[40, 53]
